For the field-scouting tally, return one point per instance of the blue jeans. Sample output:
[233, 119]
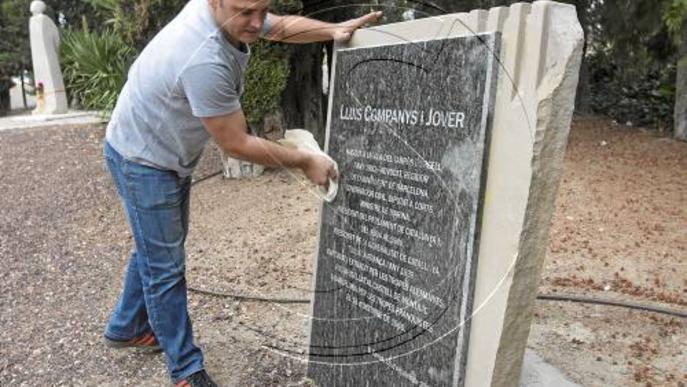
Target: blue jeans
[153, 297]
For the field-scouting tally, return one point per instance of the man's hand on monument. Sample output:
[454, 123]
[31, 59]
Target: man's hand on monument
[299, 29]
[344, 30]
[319, 169]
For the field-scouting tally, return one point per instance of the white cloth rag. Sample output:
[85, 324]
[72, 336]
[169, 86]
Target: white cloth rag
[302, 139]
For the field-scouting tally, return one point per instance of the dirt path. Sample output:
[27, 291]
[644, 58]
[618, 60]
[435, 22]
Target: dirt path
[618, 231]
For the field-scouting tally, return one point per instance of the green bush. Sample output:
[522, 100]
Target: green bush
[95, 67]
[646, 99]
[137, 21]
[265, 80]
[95, 64]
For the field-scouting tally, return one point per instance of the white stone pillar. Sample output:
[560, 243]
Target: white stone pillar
[45, 46]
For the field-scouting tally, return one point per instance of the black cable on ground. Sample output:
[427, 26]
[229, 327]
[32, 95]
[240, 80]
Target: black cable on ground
[623, 304]
[246, 297]
[543, 297]
[202, 179]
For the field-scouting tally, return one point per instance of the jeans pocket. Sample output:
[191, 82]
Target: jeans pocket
[153, 188]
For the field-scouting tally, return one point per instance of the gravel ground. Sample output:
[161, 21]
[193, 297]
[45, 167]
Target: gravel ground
[618, 230]
[64, 242]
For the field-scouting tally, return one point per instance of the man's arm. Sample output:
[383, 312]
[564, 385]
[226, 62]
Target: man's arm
[298, 29]
[231, 134]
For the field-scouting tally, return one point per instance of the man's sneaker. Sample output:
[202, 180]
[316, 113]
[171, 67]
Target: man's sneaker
[198, 379]
[146, 341]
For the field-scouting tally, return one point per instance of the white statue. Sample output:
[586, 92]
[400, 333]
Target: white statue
[51, 97]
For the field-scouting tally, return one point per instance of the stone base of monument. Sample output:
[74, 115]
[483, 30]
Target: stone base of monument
[239, 169]
[536, 372]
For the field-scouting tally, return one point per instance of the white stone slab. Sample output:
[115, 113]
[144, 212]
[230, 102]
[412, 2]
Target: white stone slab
[16, 98]
[239, 169]
[34, 121]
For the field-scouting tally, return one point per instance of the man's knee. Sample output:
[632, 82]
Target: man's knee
[165, 281]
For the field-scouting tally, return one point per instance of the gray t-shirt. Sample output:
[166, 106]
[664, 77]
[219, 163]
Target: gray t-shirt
[187, 72]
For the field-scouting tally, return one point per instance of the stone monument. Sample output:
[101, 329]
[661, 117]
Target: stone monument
[51, 97]
[450, 143]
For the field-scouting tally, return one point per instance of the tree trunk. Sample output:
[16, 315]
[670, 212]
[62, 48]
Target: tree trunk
[680, 131]
[303, 103]
[583, 97]
[302, 99]
[23, 88]
[5, 96]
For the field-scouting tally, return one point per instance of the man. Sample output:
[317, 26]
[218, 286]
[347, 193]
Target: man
[183, 89]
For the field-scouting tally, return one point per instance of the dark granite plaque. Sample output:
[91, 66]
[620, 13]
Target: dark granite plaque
[398, 247]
